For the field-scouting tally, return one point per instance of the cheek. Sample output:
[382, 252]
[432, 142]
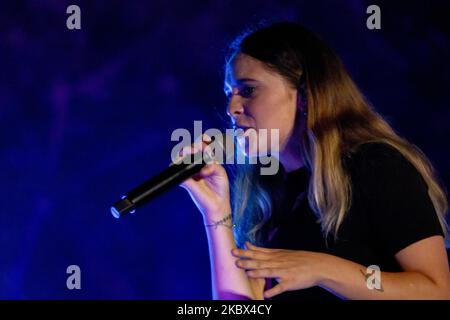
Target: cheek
[264, 112]
[279, 116]
[274, 129]
[282, 119]
[279, 133]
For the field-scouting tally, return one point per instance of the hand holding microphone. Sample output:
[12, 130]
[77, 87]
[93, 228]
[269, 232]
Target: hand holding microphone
[206, 182]
[209, 188]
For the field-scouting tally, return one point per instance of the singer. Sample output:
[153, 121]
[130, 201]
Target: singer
[355, 211]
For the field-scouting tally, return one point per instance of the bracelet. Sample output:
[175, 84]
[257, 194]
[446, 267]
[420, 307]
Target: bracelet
[222, 222]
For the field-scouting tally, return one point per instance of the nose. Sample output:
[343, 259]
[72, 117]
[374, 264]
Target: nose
[235, 108]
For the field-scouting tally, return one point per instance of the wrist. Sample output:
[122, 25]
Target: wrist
[225, 219]
[216, 214]
[324, 270]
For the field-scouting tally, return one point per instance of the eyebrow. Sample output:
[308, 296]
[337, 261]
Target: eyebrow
[239, 81]
[246, 79]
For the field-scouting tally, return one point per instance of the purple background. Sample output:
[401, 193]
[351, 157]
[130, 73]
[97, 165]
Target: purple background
[87, 114]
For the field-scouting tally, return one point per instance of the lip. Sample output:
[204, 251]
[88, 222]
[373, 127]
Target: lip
[240, 126]
[245, 130]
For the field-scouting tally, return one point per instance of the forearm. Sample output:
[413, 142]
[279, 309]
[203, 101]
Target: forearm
[228, 281]
[349, 280]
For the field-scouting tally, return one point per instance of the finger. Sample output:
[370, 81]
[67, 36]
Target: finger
[198, 145]
[256, 264]
[256, 248]
[202, 142]
[204, 137]
[264, 273]
[279, 288]
[179, 157]
[251, 254]
[207, 171]
[185, 152]
[188, 184]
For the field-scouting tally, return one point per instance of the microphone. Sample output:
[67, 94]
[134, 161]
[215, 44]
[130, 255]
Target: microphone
[176, 173]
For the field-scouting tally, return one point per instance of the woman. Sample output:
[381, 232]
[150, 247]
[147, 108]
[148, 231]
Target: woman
[356, 211]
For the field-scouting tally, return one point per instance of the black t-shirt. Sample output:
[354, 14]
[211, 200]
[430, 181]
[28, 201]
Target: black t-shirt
[390, 210]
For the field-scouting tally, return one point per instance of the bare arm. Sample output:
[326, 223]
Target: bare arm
[228, 281]
[426, 275]
[425, 272]
[210, 191]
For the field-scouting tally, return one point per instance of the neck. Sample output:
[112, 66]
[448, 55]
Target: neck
[291, 163]
[291, 157]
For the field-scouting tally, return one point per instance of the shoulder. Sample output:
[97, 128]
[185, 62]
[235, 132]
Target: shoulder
[393, 195]
[379, 159]
[381, 168]
[373, 153]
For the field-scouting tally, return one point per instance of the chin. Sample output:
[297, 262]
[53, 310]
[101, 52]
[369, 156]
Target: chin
[252, 150]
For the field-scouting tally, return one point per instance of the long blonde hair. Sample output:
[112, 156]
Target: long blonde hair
[339, 119]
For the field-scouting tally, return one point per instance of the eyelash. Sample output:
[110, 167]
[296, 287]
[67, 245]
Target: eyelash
[244, 92]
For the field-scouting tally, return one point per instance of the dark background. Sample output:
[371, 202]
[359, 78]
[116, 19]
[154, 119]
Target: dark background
[87, 114]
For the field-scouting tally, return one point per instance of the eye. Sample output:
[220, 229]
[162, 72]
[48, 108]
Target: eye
[247, 91]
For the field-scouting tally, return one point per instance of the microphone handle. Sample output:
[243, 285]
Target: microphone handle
[173, 175]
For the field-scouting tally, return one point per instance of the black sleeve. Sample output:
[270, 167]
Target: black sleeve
[398, 208]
